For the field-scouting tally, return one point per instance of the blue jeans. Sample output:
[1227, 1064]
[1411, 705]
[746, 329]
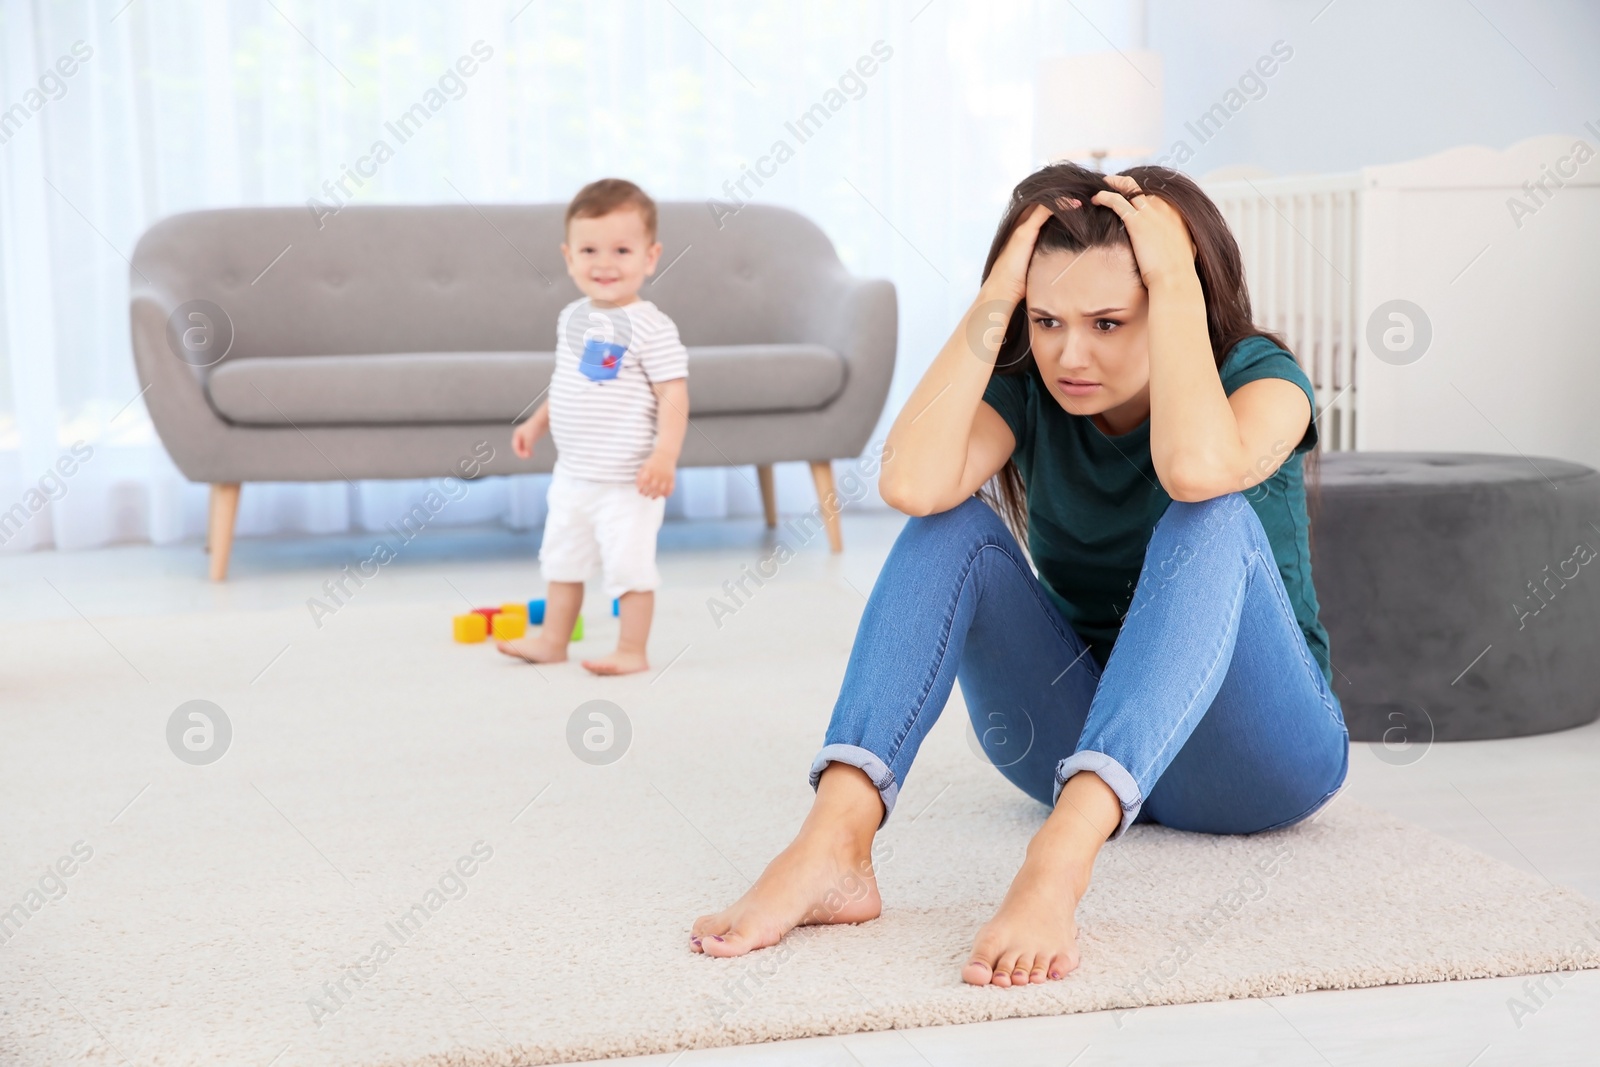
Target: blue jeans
[1211, 714]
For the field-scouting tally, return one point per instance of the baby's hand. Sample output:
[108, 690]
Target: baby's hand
[526, 433]
[656, 476]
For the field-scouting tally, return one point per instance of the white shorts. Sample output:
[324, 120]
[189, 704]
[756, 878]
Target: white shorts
[605, 526]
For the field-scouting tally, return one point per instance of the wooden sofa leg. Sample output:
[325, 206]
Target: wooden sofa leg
[822, 474]
[219, 531]
[769, 498]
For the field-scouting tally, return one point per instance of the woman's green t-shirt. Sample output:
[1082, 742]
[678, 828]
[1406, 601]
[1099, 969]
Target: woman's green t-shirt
[1093, 501]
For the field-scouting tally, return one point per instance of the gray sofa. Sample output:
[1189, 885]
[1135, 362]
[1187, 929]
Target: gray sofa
[390, 340]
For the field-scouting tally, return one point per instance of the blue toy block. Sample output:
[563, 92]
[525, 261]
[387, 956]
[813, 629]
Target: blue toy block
[615, 606]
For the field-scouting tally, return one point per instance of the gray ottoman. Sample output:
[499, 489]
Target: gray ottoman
[1461, 593]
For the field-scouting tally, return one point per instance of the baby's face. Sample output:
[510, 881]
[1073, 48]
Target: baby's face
[610, 256]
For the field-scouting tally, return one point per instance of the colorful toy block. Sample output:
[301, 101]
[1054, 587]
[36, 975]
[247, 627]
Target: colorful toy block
[487, 613]
[616, 607]
[517, 608]
[510, 625]
[471, 628]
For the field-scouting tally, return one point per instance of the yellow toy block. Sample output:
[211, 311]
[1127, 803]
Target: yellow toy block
[515, 609]
[470, 628]
[509, 625]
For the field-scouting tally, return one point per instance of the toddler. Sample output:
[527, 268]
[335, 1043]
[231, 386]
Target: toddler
[617, 410]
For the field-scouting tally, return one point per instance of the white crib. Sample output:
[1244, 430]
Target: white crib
[1512, 365]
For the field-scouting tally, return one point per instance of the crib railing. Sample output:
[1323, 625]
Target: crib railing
[1300, 240]
[1479, 263]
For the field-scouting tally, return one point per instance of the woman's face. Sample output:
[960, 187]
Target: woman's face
[1087, 321]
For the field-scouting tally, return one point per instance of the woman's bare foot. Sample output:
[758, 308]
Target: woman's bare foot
[1034, 936]
[619, 662]
[824, 876]
[535, 648]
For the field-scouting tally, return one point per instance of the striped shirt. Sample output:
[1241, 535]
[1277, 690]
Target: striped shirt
[602, 407]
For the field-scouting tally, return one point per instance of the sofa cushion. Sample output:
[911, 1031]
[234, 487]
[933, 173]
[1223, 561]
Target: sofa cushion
[461, 387]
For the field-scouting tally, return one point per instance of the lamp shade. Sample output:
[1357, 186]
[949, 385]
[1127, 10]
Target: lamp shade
[1098, 104]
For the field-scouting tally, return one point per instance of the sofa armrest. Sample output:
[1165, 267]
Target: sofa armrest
[860, 321]
[174, 391]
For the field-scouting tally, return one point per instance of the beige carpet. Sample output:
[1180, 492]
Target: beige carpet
[234, 912]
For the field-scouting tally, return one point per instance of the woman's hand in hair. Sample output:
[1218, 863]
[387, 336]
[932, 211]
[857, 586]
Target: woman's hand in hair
[1162, 246]
[1008, 280]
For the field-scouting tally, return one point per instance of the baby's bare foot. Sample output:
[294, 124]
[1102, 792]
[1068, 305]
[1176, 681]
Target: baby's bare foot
[535, 648]
[1033, 937]
[619, 662]
[817, 879]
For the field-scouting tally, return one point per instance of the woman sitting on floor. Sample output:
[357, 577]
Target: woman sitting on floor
[1148, 443]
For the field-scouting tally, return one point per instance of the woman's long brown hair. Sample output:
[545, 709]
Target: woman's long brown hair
[1217, 261]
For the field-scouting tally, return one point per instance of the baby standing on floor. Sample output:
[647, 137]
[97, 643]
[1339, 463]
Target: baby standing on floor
[617, 410]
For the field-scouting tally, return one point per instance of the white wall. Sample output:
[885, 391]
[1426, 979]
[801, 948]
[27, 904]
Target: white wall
[1378, 81]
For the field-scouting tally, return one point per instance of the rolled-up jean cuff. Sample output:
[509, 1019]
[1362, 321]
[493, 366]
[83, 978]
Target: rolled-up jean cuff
[873, 767]
[1113, 774]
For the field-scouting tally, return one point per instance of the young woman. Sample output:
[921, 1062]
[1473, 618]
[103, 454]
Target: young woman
[1148, 443]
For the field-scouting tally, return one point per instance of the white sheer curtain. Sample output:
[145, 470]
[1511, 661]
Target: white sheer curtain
[118, 113]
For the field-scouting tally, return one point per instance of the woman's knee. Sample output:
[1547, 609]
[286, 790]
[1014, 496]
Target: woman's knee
[970, 522]
[1205, 522]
